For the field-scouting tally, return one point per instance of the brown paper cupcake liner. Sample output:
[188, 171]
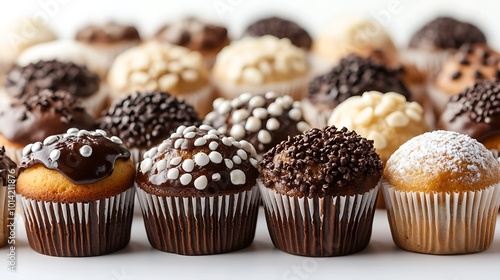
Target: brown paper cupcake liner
[4, 231]
[319, 227]
[442, 223]
[79, 229]
[200, 225]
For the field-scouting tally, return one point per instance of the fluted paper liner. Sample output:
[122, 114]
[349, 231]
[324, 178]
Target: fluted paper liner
[442, 223]
[200, 225]
[319, 227]
[425, 61]
[4, 231]
[316, 116]
[79, 229]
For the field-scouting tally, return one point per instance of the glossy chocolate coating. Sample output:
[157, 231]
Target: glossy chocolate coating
[6, 164]
[281, 28]
[107, 33]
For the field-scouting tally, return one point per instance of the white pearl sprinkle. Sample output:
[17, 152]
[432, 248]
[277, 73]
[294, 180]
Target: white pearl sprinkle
[215, 157]
[186, 179]
[249, 148]
[286, 101]
[161, 165]
[297, 104]
[254, 162]
[82, 132]
[206, 127]
[216, 176]
[229, 163]
[245, 96]
[189, 135]
[175, 161]
[210, 136]
[237, 131]
[213, 145]
[240, 115]
[275, 109]
[152, 151]
[264, 137]
[36, 147]
[217, 102]
[236, 159]
[272, 124]
[271, 94]
[86, 151]
[237, 177]
[116, 140]
[222, 130]
[146, 165]
[180, 129]
[201, 182]
[189, 129]
[146, 154]
[224, 107]
[235, 103]
[178, 143]
[260, 113]
[175, 135]
[27, 149]
[173, 174]
[295, 114]
[235, 143]
[257, 101]
[226, 141]
[200, 142]
[242, 154]
[213, 131]
[162, 147]
[50, 140]
[253, 124]
[72, 130]
[54, 155]
[102, 132]
[188, 165]
[201, 159]
[303, 126]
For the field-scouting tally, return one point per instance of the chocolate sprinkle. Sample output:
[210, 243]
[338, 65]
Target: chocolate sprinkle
[352, 77]
[53, 75]
[280, 28]
[144, 119]
[456, 75]
[323, 162]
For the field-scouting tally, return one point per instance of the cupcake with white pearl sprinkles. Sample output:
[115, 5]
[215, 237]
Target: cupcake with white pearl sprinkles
[200, 180]
[263, 120]
[77, 193]
[319, 190]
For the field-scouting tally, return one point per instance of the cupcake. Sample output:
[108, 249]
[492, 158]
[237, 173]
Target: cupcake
[76, 191]
[196, 35]
[160, 67]
[352, 77]
[319, 190]
[259, 65]
[109, 39]
[198, 192]
[263, 120]
[475, 112]
[144, 120]
[54, 75]
[280, 28]
[442, 193]
[470, 64]
[34, 118]
[434, 42]
[8, 175]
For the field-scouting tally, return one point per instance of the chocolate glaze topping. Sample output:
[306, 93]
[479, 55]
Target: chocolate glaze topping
[111, 32]
[53, 75]
[280, 28]
[81, 156]
[6, 164]
[446, 33]
[35, 117]
[352, 77]
[322, 162]
[144, 119]
[475, 111]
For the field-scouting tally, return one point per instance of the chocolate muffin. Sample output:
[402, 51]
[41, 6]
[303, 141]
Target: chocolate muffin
[352, 77]
[319, 178]
[8, 175]
[204, 181]
[77, 194]
[35, 117]
[281, 28]
[263, 120]
[143, 120]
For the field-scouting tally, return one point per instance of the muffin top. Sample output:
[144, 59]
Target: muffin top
[442, 161]
[144, 119]
[197, 162]
[352, 77]
[322, 162]
[470, 64]
[194, 34]
[280, 28]
[35, 117]
[475, 111]
[254, 61]
[108, 33]
[53, 75]
[154, 66]
[6, 165]
[263, 120]
[446, 33]
[387, 119]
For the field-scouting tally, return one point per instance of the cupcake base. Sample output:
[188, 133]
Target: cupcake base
[200, 225]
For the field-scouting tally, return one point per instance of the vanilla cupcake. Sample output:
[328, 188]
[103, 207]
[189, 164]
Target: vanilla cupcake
[259, 65]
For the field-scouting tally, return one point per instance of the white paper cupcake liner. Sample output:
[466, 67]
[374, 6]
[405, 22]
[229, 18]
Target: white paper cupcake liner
[319, 227]
[13, 153]
[425, 61]
[97, 102]
[79, 229]
[201, 100]
[316, 116]
[438, 98]
[442, 223]
[4, 231]
[200, 225]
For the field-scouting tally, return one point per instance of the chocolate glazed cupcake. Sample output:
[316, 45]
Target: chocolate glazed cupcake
[198, 192]
[319, 191]
[77, 194]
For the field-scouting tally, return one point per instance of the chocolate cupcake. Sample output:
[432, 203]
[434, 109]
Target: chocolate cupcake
[319, 191]
[143, 120]
[196, 35]
[263, 120]
[198, 192]
[352, 77]
[8, 176]
[34, 118]
[54, 75]
[280, 28]
[77, 194]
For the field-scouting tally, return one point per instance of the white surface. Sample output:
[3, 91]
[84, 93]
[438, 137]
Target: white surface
[380, 260]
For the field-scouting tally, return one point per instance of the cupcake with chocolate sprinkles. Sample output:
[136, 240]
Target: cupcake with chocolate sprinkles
[327, 179]
[200, 180]
[143, 120]
[77, 194]
[33, 118]
[352, 77]
[263, 120]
